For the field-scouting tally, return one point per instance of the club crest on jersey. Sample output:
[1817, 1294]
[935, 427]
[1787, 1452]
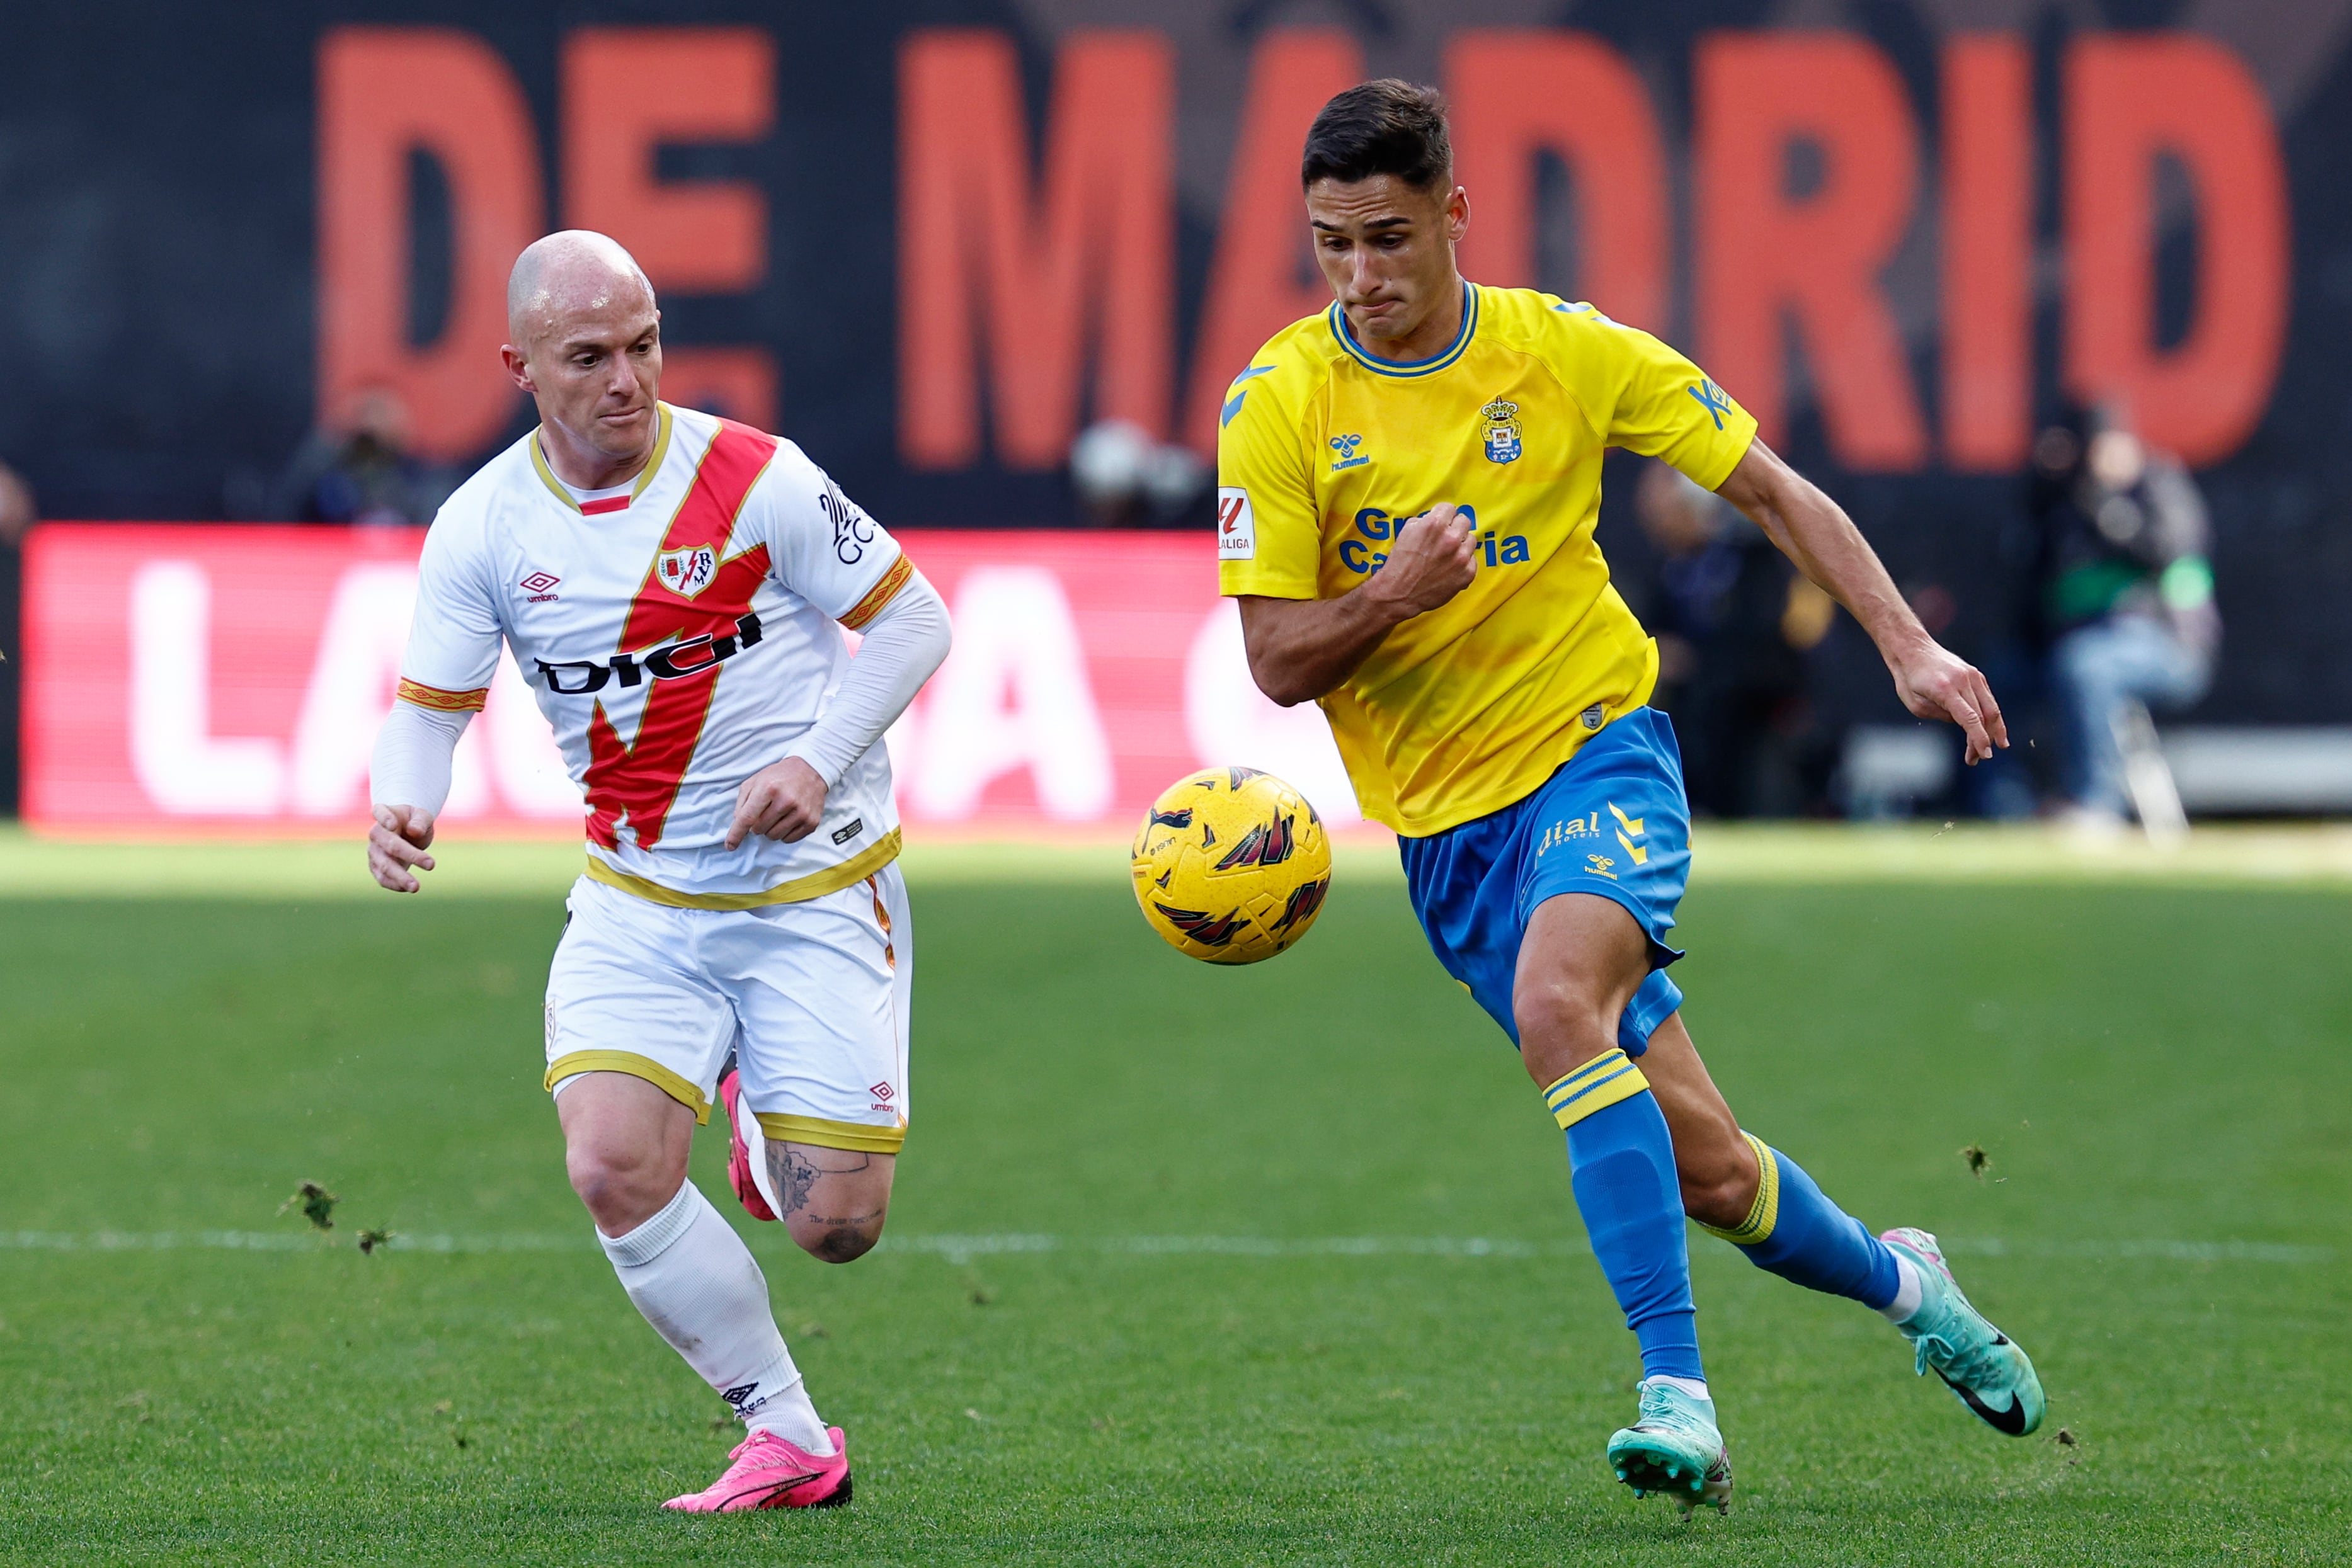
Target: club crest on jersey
[686, 572]
[1499, 424]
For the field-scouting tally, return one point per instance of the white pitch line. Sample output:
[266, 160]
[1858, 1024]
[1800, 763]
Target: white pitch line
[964, 1248]
[2171, 1252]
[267, 1241]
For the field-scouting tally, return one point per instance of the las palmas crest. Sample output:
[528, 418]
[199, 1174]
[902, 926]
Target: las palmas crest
[1501, 428]
[686, 572]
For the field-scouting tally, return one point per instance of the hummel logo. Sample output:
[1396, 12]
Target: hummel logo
[1628, 829]
[1233, 404]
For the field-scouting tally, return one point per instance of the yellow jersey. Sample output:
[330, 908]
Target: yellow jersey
[1326, 448]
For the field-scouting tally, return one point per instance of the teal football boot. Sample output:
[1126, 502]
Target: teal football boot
[1673, 1448]
[1990, 1373]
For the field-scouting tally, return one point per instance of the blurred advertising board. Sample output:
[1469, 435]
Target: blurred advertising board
[232, 678]
[936, 242]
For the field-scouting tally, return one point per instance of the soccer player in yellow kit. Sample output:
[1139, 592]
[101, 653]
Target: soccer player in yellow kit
[1408, 484]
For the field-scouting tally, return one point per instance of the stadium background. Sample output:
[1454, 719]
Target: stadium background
[934, 243]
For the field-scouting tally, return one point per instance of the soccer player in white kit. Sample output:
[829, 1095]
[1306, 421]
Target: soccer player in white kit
[673, 587]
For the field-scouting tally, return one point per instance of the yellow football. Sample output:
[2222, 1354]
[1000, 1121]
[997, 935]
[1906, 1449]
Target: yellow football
[1232, 865]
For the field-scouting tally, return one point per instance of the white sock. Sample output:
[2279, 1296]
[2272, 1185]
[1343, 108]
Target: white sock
[695, 1282]
[1909, 1289]
[1694, 1387]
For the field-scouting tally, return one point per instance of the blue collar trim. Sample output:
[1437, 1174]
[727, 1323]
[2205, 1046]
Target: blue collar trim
[1431, 366]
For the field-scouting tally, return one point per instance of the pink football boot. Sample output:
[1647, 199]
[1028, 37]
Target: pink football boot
[743, 1162]
[767, 1472]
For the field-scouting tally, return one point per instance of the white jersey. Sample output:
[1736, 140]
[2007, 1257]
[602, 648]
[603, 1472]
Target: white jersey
[679, 636]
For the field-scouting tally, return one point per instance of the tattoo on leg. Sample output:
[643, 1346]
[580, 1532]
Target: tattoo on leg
[794, 1176]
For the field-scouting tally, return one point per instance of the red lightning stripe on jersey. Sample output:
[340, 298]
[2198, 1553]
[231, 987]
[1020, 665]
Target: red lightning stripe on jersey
[639, 782]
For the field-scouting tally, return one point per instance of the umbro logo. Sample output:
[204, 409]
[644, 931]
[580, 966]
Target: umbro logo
[541, 586]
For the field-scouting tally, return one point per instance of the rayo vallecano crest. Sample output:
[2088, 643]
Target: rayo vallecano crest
[1500, 423]
[685, 572]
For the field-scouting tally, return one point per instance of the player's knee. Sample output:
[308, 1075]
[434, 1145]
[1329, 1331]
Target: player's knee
[1562, 1025]
[836, 1240]
[834, 1201]
[622, 1189]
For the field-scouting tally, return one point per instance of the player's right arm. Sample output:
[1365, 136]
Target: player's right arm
[1302, 646]
[445, 676]
[1301, 649]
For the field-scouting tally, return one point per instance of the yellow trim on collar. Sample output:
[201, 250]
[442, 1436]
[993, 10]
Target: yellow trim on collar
[826, 1133]
[800, 890]
[653, 465]
[635, 1066]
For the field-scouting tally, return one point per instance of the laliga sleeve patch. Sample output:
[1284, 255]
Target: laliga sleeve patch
[1236, 527]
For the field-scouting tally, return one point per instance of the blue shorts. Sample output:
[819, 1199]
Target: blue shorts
[1610, 821]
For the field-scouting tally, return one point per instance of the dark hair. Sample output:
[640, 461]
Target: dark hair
[1386, 127]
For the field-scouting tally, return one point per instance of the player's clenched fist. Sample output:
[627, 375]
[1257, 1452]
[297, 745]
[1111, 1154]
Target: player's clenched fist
[397, 844]
[1433, 558]
[784, 802]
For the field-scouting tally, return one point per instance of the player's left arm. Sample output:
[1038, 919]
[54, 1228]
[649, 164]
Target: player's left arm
[1659, 403]
[905, 641]
[1813, 531]
[831, 554]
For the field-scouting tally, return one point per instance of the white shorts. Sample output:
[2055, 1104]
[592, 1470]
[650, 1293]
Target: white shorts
[812, 996]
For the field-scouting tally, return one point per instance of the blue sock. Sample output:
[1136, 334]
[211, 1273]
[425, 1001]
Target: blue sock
[1621, 1162]
[1798, 1233]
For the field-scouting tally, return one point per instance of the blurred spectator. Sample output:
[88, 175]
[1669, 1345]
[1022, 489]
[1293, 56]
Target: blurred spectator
[1733, 621]
[360, 470]
[16, 512]
[1127, 479]
[16, 518]
[2127, 593]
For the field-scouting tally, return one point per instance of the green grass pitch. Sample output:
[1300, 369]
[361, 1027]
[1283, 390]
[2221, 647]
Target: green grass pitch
[1187, 1265]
